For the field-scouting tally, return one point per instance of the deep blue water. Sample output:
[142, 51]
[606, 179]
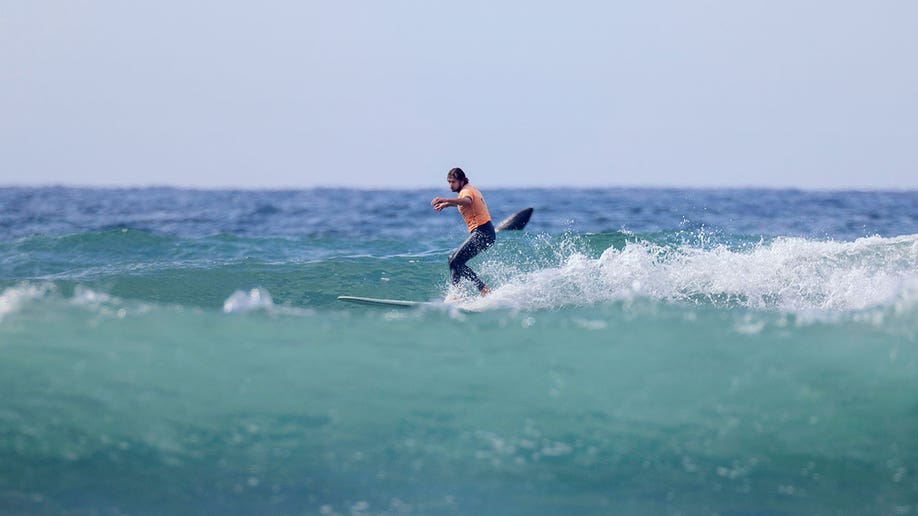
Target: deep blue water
[643, 351]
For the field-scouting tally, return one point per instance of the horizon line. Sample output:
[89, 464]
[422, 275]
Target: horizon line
[167, 186]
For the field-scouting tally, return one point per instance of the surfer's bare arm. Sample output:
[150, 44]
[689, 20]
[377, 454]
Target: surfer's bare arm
[439, 203]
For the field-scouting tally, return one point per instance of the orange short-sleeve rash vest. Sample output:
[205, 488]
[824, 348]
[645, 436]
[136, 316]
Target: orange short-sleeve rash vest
[476, 213]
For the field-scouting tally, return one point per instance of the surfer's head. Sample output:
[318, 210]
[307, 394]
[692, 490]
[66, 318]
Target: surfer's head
[456, 178]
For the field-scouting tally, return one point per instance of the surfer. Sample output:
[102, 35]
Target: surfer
[474, 210]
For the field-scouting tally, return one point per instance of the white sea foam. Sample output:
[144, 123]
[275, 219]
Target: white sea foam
[13, 298]
[89, 297]
[106, 305]
[786, 274]
[255, 299]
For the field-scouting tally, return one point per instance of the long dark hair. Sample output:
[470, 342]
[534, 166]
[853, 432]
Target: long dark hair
[457, 174]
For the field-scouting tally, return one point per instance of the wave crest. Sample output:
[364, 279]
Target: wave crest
[255, 299]
[786, 274]
[13, 298]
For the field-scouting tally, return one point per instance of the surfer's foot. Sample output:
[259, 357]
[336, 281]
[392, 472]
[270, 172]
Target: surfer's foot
[484, 291]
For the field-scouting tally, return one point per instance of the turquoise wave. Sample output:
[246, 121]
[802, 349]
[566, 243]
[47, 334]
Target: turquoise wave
[527, 271]
[632, 406]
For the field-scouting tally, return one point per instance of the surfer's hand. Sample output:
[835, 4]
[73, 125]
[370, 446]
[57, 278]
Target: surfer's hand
[438, 203]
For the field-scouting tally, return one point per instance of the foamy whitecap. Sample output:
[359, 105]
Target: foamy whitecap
[86, 296]
[907, 299]
[12, 298]
[255, 299]
[787, 274]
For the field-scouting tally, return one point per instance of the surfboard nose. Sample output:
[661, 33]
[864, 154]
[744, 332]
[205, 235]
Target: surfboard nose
[516, 221]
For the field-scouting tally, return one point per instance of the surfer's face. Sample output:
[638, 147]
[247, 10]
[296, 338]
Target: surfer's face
[454, 184]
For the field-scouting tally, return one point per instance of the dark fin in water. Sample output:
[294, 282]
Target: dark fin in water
[516, 221]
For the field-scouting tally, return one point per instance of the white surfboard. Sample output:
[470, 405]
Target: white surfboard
[384, 302]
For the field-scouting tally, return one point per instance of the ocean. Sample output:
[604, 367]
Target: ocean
[643, 351]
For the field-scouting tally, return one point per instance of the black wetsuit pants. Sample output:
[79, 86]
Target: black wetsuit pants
[479, 239]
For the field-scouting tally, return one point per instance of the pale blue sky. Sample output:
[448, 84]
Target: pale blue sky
[807, 94]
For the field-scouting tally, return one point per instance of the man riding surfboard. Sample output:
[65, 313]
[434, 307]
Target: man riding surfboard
[474, 210]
